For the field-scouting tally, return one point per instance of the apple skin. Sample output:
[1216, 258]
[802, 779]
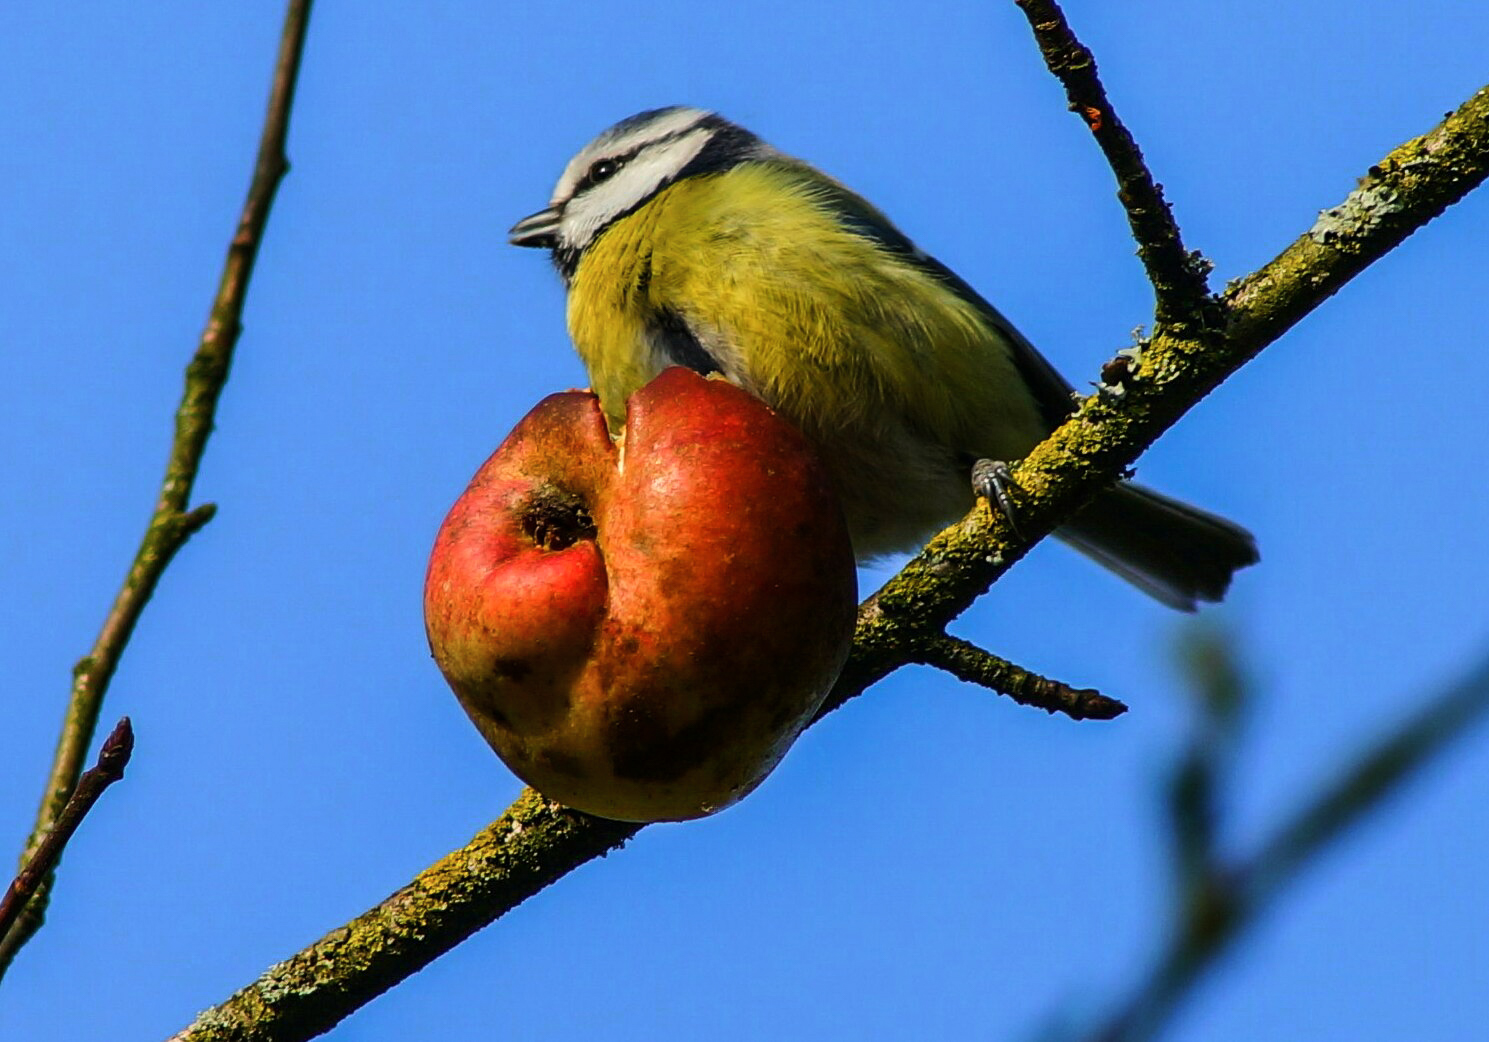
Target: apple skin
[641, 632]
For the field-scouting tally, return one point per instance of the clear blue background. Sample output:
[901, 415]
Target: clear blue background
[931, 862]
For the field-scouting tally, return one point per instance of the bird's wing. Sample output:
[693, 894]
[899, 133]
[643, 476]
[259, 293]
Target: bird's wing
[1052, 392]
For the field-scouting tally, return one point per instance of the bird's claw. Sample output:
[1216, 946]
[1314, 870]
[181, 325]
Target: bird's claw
[993, 481]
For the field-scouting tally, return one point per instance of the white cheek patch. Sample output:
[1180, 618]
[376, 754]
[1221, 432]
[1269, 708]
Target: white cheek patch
[638, 179]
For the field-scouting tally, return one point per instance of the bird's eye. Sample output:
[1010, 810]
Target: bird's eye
[603, 170]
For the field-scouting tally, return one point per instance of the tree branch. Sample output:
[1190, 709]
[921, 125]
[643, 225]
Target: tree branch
[1179, 278]
[536, 842]
[171, 523]
[113, 757]
[966, 661]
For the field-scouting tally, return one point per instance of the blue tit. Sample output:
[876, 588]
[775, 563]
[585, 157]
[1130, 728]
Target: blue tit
[684, 239]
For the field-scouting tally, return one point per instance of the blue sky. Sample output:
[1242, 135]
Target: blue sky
[930, 862]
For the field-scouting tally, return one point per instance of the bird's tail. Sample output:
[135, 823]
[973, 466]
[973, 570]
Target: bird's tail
[1170, 550]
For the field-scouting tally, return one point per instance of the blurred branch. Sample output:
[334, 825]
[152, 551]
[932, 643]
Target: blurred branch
[113, 757]
[1179, 278]
[1364, 784]
[1238, 895]
[1203, 769]
[172, 523]
[966, 661]
[537, 842]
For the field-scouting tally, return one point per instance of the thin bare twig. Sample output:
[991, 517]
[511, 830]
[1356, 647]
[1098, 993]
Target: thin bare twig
[1179, 278]
[172, 523]
[966, 661]
[113, 757]
[535, 843]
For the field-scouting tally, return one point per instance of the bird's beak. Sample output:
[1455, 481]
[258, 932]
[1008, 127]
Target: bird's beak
[540, 230]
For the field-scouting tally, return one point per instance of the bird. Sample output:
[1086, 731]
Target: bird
[685, 239]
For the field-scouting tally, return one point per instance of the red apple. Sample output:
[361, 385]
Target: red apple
[641, 630]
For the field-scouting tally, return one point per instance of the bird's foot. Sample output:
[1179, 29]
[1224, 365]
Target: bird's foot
[993, 481]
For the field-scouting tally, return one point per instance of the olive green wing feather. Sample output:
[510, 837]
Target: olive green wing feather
[1052, 393]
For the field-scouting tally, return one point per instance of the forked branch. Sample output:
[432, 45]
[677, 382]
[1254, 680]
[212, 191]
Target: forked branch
[173, 521]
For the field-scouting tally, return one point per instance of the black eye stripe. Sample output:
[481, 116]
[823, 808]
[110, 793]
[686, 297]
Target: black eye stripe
[620, 159]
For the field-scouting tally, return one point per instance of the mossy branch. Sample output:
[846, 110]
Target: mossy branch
[173, 522]
[536, 842]
[533, 844]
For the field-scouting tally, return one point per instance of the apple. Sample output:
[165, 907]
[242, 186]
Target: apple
[641, 628]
